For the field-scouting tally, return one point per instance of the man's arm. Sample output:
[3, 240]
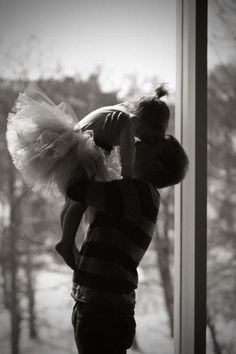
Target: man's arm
[118, 124]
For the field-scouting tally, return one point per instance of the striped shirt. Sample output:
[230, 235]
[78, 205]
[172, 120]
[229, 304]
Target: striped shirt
[121, 230]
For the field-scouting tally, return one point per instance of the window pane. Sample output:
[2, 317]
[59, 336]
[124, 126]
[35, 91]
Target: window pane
[221, 177]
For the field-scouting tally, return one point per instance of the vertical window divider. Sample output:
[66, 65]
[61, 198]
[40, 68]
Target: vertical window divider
[191, 195]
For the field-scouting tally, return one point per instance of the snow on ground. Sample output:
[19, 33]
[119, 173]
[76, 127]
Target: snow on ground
[152, 335]
[54, 305]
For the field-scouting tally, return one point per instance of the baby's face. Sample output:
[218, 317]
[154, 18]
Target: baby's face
[146, 159]
[146, 132]
[151, 127]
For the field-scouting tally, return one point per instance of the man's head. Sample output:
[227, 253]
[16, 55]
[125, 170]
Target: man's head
[163, 163]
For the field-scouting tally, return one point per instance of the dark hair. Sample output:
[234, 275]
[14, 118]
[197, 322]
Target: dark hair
[154, 111]
[174, 163]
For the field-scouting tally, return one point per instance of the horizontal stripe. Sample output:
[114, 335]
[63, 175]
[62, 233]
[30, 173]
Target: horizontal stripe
[107, 269]
[94, 281]
[103, 251]
[124, 226]
[142, 223]
[82, 293]
[121, 242]
[111, 255]
[107, 252]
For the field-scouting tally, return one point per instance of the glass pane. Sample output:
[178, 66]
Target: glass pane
[221, 177]
[90, 54]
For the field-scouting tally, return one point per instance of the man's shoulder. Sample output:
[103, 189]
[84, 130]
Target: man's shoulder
[140, 199]
[138, 186]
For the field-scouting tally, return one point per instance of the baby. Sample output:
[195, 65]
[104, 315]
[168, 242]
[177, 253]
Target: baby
[147, 118]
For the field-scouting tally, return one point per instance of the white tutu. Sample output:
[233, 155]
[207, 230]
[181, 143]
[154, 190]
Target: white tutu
[45, 148]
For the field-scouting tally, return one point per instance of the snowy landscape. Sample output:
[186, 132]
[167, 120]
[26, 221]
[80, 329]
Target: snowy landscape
[54, 305]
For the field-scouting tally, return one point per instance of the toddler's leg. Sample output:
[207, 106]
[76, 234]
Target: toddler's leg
[71, 216]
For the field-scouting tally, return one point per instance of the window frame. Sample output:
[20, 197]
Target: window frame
[191, 195]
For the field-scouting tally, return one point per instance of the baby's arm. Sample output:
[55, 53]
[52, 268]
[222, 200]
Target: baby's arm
[127, 150]
[70, 221]
[71, 216]
[118, 125]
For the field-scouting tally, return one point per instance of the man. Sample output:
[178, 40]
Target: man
[125, 214]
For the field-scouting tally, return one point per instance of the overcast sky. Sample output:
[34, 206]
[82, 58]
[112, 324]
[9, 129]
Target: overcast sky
[124, 37]
[76, 36]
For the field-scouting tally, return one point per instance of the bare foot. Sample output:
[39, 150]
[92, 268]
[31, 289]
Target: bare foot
[67, 254]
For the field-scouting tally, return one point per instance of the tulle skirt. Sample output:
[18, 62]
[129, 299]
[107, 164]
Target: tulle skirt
[47, 150]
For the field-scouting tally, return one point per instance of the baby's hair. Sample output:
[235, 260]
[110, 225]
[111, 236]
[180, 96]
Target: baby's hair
[154, 111]
[161, 91]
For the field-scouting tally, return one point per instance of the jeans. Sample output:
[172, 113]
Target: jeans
[100, 330]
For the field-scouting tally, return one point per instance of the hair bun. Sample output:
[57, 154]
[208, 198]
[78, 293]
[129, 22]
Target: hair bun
[161, 91]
